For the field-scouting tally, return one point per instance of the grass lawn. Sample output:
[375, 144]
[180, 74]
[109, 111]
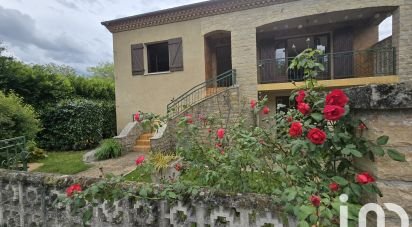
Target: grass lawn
[136, 175]
[63, 163]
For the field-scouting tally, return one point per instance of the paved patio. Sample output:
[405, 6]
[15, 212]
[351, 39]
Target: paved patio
[119, 166]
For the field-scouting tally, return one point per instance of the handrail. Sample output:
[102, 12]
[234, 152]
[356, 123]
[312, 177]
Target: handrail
[13, 154]
[201, 91]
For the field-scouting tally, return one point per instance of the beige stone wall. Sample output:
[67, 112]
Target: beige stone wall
[401, 39]
[394, 178]
[152, 93]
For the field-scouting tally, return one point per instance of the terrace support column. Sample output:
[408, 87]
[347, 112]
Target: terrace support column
[244, 60]
[387, 110]
[402, 40]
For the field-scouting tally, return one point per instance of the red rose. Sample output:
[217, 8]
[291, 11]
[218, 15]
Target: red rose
[189, 118]
[220, 133]
[337, 98]
[304, 108]
[266, 110]
[334, 186]
[300, 97]
[364, 178]
[253, 103]
[316, 136]
[315, 200]
[73, 188]
[222, 152]
[178, 167]
[295, 129]
[137, 117]
[139, 160]
[333, 113]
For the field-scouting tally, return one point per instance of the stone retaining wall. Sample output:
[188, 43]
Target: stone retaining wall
[27, 200]
[387, 110]
[127, 137]
[225, 106]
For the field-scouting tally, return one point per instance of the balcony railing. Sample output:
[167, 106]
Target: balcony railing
[364, 63]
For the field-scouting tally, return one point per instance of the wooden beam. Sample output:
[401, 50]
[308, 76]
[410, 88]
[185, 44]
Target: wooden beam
[349, 82]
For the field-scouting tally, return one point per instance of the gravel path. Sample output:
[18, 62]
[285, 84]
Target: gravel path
[118, 166]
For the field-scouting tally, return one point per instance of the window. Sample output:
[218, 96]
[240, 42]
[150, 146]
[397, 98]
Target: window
[283, 100]
[161, 57]
[158, 57]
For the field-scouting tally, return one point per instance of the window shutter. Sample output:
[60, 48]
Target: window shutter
[175, 55]
[137, 59]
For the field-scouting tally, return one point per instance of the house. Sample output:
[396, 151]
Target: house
[161, 55]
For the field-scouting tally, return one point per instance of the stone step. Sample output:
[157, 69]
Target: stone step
[143, 142]
[141, 148]
[145, 136]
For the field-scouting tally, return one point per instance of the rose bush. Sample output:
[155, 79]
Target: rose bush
[304, 158]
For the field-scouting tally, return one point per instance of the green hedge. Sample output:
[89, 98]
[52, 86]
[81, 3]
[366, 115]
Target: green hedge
[109, 119]
[77, 124]
[17, 118]
[71, 125]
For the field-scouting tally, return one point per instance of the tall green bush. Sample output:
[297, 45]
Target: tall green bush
[109, 119]
[17, 118]
[34, 84]
[72, 125]
[95, 88]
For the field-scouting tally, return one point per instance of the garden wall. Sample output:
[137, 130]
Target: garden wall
[387, 110]
[27, 200]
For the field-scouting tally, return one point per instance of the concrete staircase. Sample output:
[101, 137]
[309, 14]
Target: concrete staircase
[143, 143]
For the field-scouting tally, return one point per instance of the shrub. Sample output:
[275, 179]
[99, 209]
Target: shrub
[34, 84]
[17, 118]
[72, 125]
[109, 119]
[93, 88]
[35, 152]
[109, 148]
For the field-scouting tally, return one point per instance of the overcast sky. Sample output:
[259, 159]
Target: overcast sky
[69, 31]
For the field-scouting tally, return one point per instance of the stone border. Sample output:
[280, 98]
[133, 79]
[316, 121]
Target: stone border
[247, 200]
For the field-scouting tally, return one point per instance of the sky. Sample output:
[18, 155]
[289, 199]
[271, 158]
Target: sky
[68, 32]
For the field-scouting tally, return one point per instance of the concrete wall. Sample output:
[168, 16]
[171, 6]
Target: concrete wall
[152, 93]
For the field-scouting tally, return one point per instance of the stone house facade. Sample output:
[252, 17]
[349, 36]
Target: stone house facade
[160, 55]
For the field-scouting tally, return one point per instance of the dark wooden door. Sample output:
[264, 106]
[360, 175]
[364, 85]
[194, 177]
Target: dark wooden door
[223, 64]
[343, 55]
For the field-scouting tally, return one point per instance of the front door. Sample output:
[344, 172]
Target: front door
[223, 64]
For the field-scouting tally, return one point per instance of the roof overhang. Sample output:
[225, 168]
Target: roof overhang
[186, 12]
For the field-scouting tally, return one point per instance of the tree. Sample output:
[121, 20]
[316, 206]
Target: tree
[103, 69]
[63, 70]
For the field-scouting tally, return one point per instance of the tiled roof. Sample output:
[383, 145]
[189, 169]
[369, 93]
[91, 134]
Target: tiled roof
[186, 12]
